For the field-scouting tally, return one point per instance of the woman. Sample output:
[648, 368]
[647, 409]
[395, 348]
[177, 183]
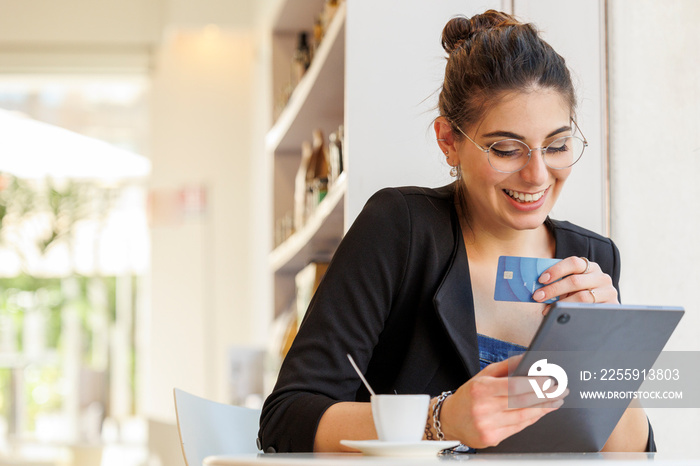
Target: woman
[409, 292]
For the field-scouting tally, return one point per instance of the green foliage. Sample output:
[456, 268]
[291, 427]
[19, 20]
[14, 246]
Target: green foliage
[66, 206]
[43, 379]
[63, 207]
[48, 295]
[56, 209]
[42, 390]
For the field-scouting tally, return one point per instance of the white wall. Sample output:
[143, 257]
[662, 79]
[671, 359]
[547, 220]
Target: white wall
[654, 156]
[198, 273]
[209, 276]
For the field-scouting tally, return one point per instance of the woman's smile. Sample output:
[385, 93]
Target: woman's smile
[523, 197]
[526, 201]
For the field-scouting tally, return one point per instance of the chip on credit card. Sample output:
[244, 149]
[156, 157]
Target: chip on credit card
[517, 278]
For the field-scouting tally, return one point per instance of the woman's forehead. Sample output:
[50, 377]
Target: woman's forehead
[536, 111]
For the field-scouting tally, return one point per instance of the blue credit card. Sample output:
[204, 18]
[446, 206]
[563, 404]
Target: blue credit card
[517, 278]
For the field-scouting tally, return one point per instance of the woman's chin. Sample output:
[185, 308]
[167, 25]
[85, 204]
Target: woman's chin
[531, 221]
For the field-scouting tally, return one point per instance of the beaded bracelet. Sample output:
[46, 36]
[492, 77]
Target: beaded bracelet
[436, 414]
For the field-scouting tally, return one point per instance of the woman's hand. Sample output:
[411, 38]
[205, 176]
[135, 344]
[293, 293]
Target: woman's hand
[579, 280]
[479, 413]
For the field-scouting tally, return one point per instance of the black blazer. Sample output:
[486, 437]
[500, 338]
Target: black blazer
[397, 296]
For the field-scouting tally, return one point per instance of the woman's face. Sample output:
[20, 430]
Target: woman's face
[520, 200]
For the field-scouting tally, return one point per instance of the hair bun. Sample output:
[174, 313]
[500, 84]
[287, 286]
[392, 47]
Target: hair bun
[460, 29]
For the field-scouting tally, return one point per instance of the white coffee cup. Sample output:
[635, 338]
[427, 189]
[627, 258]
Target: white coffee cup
[400, 418]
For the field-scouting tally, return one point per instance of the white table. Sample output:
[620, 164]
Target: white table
[352, 459]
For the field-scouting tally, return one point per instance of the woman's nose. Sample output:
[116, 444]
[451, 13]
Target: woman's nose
[536, 171]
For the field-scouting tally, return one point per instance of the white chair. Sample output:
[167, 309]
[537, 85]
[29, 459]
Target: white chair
[209, 428]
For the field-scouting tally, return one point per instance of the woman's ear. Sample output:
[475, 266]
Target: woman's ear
[446, 140]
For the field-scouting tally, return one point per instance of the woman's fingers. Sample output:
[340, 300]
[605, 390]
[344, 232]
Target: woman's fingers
[565, 267]
[567, 281]
[527, 398]
[580, 291]
[569, 285]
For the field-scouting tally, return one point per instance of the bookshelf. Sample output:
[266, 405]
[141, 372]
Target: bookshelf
[317, 101]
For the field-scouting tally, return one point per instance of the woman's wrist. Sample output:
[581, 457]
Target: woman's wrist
[434, 424]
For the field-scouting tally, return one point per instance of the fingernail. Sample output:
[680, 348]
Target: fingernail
[538, 296]
[544, 278]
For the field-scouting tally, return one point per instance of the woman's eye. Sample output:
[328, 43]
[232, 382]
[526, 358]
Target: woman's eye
[559, 146]
[508, 149]
[506, 153]
[557, 149]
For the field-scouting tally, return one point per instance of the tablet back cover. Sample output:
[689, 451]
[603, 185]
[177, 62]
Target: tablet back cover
[596, 337]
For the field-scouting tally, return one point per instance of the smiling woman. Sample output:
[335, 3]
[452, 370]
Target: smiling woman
[409, 292]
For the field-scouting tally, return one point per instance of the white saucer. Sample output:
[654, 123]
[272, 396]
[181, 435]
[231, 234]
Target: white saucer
[379, 448]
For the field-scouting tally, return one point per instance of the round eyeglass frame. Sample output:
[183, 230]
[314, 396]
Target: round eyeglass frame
[543, 150]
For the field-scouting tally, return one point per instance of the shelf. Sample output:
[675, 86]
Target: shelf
[318, 238]
[317, 101]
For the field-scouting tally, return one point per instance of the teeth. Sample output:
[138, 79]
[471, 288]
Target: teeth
[525, 197]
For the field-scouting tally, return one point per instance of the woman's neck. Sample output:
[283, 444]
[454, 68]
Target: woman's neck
[484, 243]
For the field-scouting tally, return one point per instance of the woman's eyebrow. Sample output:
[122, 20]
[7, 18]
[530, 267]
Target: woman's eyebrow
[504, 134]
[510, 135]
[560, 130]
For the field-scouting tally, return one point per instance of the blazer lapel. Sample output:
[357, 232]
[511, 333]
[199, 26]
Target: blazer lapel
[454, 305]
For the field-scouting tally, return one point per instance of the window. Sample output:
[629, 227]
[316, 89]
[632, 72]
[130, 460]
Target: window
[72, 251]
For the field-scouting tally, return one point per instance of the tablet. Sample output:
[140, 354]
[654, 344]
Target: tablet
[585, 341]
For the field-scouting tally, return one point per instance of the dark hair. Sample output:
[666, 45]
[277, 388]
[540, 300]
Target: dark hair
[490, 55]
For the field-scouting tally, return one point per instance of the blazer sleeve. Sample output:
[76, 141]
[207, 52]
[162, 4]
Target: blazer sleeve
[346, 315]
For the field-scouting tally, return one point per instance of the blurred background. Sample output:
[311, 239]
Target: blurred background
[162, 224]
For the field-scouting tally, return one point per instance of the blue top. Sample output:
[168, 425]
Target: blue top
[494, 350]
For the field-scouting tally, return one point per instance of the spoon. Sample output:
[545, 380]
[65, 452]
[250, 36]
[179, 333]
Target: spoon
[357, 369]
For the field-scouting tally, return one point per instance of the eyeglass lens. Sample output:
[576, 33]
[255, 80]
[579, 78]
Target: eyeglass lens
[511, 155]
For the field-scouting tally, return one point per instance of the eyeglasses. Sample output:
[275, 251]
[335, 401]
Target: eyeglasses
[512, 155]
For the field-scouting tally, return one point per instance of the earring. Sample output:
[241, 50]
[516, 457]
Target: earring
[447, 152]
[454, 172]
